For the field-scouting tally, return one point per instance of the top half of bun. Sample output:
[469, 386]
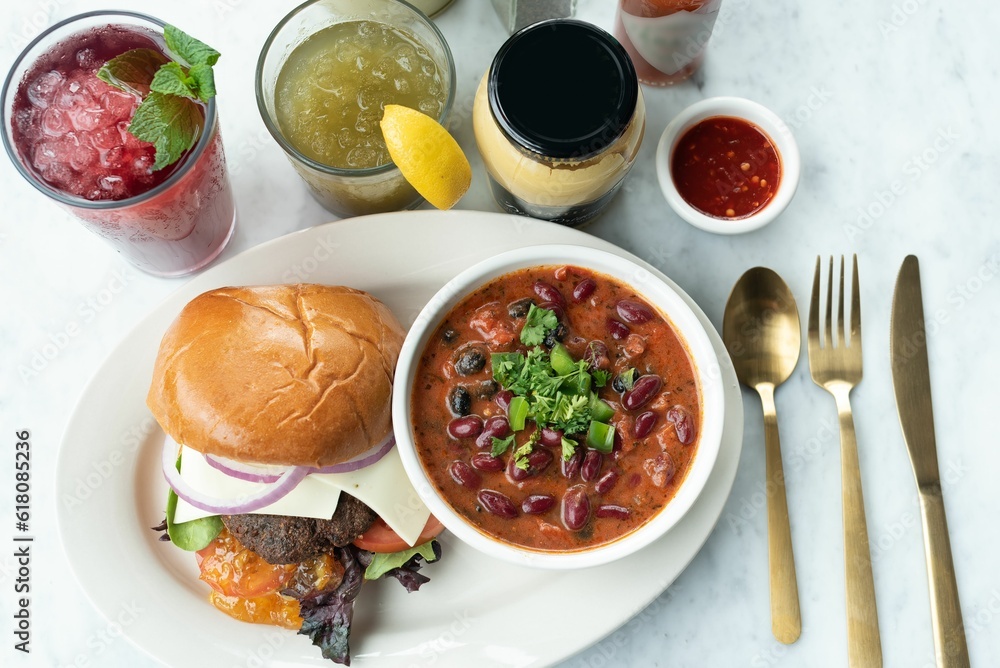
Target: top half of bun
[296, 375]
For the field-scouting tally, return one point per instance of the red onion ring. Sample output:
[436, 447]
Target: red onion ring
[272, 493]
[366, 459]
[241, 471]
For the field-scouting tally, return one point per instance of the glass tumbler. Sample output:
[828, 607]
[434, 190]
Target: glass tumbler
[172, 229]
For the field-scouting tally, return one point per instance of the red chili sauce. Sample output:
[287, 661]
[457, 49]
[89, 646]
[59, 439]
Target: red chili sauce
[555, 503]
[726, 168]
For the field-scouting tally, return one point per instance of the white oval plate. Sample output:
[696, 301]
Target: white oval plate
[474, 609]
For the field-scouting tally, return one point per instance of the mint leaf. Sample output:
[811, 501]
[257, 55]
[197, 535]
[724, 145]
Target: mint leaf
[194, 535]
[538, 323]
[500, 445]
[172, 124]
[382, 563]
[202, 78]
[189, 49]
[172, 80]
[133, 71]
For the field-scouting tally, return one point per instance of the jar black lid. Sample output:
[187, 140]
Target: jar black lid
[563, 88]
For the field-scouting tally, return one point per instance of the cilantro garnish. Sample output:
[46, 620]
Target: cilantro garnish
[538, 323]
[628, 378]
[501, 445]
[601, 377]
[169, 116]
[521, 454]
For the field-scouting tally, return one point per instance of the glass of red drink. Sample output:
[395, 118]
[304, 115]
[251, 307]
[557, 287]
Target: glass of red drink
[66, 132]
[665, 38]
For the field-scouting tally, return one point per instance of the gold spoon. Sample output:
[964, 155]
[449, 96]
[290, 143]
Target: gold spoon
[761, 331]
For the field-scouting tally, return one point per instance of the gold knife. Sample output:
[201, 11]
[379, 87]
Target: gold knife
[912, 383]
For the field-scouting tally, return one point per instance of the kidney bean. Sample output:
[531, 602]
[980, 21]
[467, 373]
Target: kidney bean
[536, 504]
[591, 466]
[555, 307]
[618, 330]
[616, 449]
[515, 473]
[610, 510]
[644, 424]
[575, 508]
[548, 293]
[642, 391]
[463, 474]
[484, 461]
[550, 437]
[539, 460]
[660, 469]
[572, 465]
[497, 426]
[597, 355]
[683, 424]
[503, 398]
[460, 401]
[634, 480]
[469, 426]
[634, 312]
[584, 289]
[604, 483]
[520, 308]
[497, 503]
[470, 361]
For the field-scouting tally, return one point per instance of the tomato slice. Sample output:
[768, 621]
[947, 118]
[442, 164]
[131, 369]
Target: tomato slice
[380, 538]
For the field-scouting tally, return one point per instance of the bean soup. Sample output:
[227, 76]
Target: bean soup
[555, 409]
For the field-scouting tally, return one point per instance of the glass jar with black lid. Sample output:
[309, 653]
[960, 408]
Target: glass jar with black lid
[559, 118]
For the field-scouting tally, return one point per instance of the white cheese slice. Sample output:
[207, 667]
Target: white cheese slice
[383, 487]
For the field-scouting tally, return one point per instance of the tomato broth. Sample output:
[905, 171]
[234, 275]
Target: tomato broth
[552, 488]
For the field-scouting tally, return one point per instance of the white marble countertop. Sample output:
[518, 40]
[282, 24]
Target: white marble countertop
[891, 104]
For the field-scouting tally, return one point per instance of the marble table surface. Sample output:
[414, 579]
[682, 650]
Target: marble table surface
[891, 106]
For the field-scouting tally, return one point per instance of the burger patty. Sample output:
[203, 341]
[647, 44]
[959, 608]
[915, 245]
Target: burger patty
[289, 540]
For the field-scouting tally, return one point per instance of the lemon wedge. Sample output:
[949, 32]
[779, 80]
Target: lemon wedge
[429, 158]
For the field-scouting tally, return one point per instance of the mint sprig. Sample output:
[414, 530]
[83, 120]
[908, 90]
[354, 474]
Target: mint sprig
[169, 116]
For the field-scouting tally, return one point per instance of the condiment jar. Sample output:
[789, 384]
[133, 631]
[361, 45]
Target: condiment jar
[559, 118]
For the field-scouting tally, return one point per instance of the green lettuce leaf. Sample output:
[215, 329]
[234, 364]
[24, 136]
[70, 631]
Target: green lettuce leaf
[382, 563]
[194, 535]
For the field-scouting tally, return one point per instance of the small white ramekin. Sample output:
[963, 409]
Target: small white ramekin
[656, 293]
[755, 114]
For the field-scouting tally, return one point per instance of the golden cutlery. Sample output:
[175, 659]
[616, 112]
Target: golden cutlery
[762, 334]
[912, 384]
[835, 365]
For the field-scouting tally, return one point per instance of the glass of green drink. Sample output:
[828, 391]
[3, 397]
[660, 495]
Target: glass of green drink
[324, 76]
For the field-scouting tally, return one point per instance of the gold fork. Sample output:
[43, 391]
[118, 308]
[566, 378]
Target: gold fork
[836, 366]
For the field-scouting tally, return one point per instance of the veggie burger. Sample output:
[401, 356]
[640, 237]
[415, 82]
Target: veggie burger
[279, 453]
